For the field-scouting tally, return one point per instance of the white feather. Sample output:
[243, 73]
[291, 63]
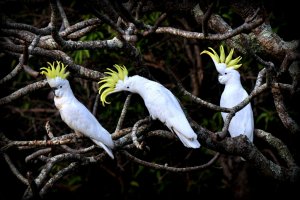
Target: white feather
[162, 105]
[78, 117]
[233, 94]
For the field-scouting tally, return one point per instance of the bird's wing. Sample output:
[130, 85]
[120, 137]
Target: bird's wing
[162, 104]
[79, 118]
[242, 122]
[249, 122]
[155, 101]
[108, 150]
[190, 143]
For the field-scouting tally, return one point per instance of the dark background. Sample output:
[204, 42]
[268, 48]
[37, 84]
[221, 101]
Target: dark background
[109, 180]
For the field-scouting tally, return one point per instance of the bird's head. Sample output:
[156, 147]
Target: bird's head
[56, 76]
[115, 81]
[222, 62]
[229, 75]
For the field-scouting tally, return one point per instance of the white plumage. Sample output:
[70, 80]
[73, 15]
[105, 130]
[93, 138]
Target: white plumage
[77, 116]
[161, 104]
[233, 94]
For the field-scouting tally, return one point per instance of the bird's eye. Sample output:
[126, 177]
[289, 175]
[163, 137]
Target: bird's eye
[225, 73]
[127, 87]
[60, 86]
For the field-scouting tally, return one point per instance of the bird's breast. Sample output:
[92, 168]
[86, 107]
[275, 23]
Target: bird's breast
[58, 103]
[231, 97]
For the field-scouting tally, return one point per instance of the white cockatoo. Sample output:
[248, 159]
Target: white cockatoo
[160, 102]
[73, 112]
[234, 93]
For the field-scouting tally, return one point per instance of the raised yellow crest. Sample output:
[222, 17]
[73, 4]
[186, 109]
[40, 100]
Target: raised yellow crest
[53, 71]
[110, 81]
[222, 59]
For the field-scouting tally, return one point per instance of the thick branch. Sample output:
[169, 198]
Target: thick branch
[23, 91]
[281, 148]
[283, 114]
[222, 36]
[243, 147]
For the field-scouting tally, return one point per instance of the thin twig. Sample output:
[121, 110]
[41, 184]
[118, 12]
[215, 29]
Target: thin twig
[205, 19]
[123, 113]
[134, 131]
[72, 166]
[65, 147]
[172, 169]
[194, 98]
[37, 153]
[14, 170]
[96, 103]
[235, 109]
[63, 15]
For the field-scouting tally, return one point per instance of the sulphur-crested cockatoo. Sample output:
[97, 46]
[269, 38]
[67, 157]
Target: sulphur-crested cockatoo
[73, 112]
[160, 102]
[234, 93]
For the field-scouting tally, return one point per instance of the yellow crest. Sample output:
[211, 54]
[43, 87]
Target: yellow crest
[110, 81]
[55, 71]
[222, 59]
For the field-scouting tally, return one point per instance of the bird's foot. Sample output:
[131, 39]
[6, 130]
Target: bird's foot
[138, 145]
[78, 134]
[141, 146]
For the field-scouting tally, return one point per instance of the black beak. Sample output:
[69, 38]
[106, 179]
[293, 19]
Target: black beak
[54, 88]
[127, 93]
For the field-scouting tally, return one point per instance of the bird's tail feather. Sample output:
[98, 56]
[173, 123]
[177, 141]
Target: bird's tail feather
[108, 150]
[188, 142]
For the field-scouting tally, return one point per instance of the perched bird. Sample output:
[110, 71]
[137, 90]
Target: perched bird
[160, 102]
[73, 112]
[234, 93]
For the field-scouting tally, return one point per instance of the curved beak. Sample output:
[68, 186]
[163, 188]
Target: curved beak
[54, 88]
